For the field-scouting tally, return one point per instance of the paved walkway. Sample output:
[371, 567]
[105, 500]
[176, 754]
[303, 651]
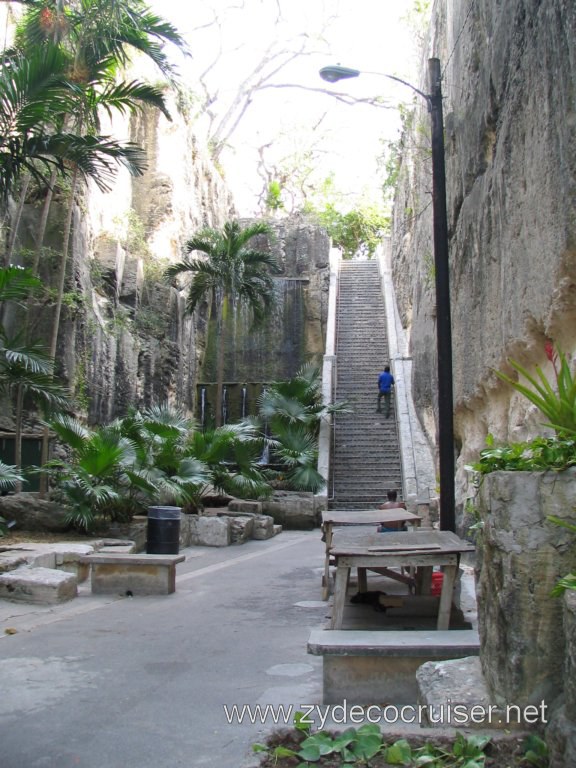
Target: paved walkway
[142, 682]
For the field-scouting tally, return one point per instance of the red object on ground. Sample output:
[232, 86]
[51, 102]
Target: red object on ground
[437, 579]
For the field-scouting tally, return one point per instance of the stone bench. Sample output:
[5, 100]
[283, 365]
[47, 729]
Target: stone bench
[372, 667]
[141, 574]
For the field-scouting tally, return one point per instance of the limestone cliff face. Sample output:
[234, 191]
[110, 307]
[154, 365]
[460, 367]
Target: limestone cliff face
[124, 337]
[133, 345]
[510, 131]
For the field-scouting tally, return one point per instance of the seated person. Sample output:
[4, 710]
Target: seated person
[392, 503]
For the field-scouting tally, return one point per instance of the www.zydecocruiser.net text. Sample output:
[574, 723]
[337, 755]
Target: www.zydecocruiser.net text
[448, 713]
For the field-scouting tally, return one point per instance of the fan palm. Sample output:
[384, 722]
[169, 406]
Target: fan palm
[231, 454]
[231, 273]
[292, 411]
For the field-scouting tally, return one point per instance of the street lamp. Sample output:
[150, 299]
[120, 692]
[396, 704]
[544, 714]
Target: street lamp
[442, 277]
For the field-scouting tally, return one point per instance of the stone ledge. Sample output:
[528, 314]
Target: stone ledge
[121, 558]
[44, 586]
[338, 642]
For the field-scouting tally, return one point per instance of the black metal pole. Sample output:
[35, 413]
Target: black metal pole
[443, 315]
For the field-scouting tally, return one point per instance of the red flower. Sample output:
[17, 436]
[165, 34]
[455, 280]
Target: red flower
[551, 354]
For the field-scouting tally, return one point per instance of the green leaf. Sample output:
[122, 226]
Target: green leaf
[399, 753]
[311, 753]
[302, 722]
[284, 752]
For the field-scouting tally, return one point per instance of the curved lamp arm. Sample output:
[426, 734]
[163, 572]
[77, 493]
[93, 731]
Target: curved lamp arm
[332, 74]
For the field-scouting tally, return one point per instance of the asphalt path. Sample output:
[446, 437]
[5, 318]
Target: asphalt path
[150, 682]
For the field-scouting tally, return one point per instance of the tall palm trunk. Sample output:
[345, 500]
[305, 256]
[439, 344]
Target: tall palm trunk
[57, 314]
[17, 219]
[43, 223]
[222, 322]
[18, 434]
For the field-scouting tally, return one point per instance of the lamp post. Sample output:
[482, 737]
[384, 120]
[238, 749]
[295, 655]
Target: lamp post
[442, 279]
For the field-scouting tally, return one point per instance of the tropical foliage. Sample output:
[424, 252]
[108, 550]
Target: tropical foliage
[150, 457]
[231, 273]
[291, 412]
[26, 370]
[557, 404]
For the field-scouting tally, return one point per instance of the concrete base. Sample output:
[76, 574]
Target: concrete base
[134, 574]
[44, 586]
[370, 667]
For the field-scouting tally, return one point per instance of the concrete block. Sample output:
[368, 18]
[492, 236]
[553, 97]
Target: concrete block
[210, 531]
[241, 528]
[292, 510]
[243, 505]
[69, 558]
[140, 574]
[263, 527]
[44, 586]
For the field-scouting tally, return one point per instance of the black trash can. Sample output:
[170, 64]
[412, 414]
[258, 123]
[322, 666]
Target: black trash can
[163, 532]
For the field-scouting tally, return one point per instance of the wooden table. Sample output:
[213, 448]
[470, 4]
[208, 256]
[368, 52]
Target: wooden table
[339, 517]
[357, 548]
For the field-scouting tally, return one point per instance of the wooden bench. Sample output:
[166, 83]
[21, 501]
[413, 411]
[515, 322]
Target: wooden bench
[126, 574]
[372, 667]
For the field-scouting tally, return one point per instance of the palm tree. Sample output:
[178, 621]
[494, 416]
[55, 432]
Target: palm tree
[34, 93]
[231, 273]
[96, 35]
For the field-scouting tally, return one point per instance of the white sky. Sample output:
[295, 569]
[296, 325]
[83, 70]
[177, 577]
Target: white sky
[370, 35]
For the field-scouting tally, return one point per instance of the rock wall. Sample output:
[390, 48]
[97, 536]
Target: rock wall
[295, 332]
[521, 557]
[510, 117]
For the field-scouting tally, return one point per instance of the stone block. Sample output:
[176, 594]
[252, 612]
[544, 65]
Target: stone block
[209, 531]
[263, 527]
[44, 586]
[244, 505]
[241, 528]
[69, 558]
[292, 510]
[454, 693]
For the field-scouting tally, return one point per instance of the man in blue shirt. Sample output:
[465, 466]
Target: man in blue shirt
[385, 384]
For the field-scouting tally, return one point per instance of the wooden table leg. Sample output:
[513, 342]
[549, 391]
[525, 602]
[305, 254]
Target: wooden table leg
[362, 580]
[340, 589]
[423, 580]
[326, 576]
[446, 596]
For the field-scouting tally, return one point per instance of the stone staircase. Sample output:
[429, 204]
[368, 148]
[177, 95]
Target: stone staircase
[366, 454]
